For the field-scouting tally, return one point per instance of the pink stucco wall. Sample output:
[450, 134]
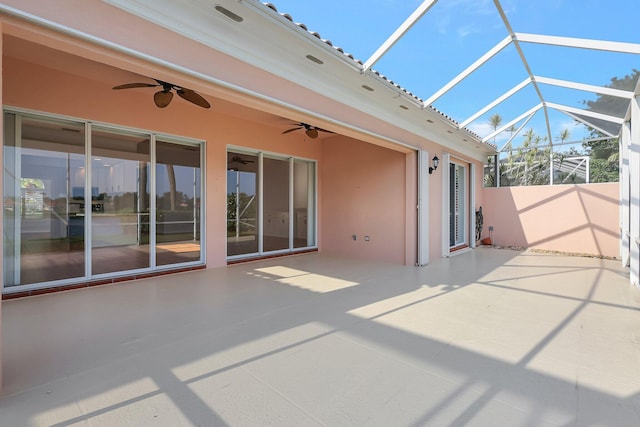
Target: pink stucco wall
[1, 186]
[363, 189]
[49, 90]
[567, 218]
[363, 194]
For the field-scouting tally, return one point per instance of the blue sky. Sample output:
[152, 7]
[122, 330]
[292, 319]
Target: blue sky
[454, 33]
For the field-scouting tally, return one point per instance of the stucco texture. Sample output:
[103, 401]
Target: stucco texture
[581, 219]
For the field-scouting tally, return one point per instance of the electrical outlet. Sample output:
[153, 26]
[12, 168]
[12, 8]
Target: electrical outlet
[354, 237]
[366, 238]
[491, 228]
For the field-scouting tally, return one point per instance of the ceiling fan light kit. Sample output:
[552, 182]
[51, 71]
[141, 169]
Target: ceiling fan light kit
[163, 97]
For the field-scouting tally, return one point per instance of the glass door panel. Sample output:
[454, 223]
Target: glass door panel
[177, 203]
[119, 201]
[457, 205]
[242, 204]
[43, 194]
[303, 204]
[276, 204]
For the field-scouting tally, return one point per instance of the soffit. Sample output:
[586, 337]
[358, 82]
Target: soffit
[213, 72]
[472, 59]
[271, 42]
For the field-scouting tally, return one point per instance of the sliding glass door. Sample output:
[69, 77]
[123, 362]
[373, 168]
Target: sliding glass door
[276, 204]
[457, 205]
[44, 186]
[242, 204]
[178, 186]
[304, 202]
[271, 204]
[78, 205]
[119, 201]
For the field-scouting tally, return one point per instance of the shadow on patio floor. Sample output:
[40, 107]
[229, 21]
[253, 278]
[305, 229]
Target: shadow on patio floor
[484, 338]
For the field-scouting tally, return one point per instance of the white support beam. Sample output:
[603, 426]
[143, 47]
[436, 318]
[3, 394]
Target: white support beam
[398, 33]
[546, 119]
[423, 207]
[497, 101]
[585, 87]
[517, 132]
[550, 136]
[523, 58]
[472, 205]
[587, 113]
[625, 241]
[591, 44]
[531, 112]
[588, 123]
[634, 193]
[445, 161]
[575, 168]
[463, 75]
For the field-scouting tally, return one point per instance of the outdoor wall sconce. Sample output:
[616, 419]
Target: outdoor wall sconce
[435, 162]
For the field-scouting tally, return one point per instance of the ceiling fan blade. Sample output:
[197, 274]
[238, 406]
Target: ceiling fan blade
[162, 98]
[291, 130]
[134, 85]
[312, 133]
[238, 159]
[193, 97]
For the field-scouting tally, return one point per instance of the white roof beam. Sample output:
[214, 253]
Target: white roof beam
[591, 44]
[463, 75]
[513, 122]
[636, 92]
[523, 58]
[546, 119]
[497, 101]
[588, 123]
[398, 33]
[586, 113]
[585, 87]
[517, 132]
[576, 114]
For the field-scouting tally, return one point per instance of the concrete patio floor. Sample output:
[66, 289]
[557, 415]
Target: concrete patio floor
[490, 337]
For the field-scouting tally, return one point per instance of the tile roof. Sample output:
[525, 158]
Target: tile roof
[360, 64]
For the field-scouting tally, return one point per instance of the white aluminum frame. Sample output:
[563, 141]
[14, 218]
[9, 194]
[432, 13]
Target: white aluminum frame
[312, 215]
[423, 207]
[20, 112]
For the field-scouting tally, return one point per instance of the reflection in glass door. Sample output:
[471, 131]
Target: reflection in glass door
[457, 205]
[119, 201]
[242, 204]
[271, 204]
[177, 203]
[276, 204]
[44, 181]
[67, 183]
[304, 204]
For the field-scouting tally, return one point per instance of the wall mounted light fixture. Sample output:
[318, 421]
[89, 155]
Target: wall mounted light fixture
[435, 162]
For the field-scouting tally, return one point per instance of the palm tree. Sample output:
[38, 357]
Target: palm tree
[560, 157]
[495, 121]
[490, 178]
[564, 135]
[530, 164]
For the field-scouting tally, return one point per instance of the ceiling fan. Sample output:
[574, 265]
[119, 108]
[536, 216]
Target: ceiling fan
[238, 159]
[163, 97]
[309, 130]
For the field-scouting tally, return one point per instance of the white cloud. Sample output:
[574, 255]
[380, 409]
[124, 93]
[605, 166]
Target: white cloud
[577, 130]
[464, 31]
[453, 12]
[484, 129]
